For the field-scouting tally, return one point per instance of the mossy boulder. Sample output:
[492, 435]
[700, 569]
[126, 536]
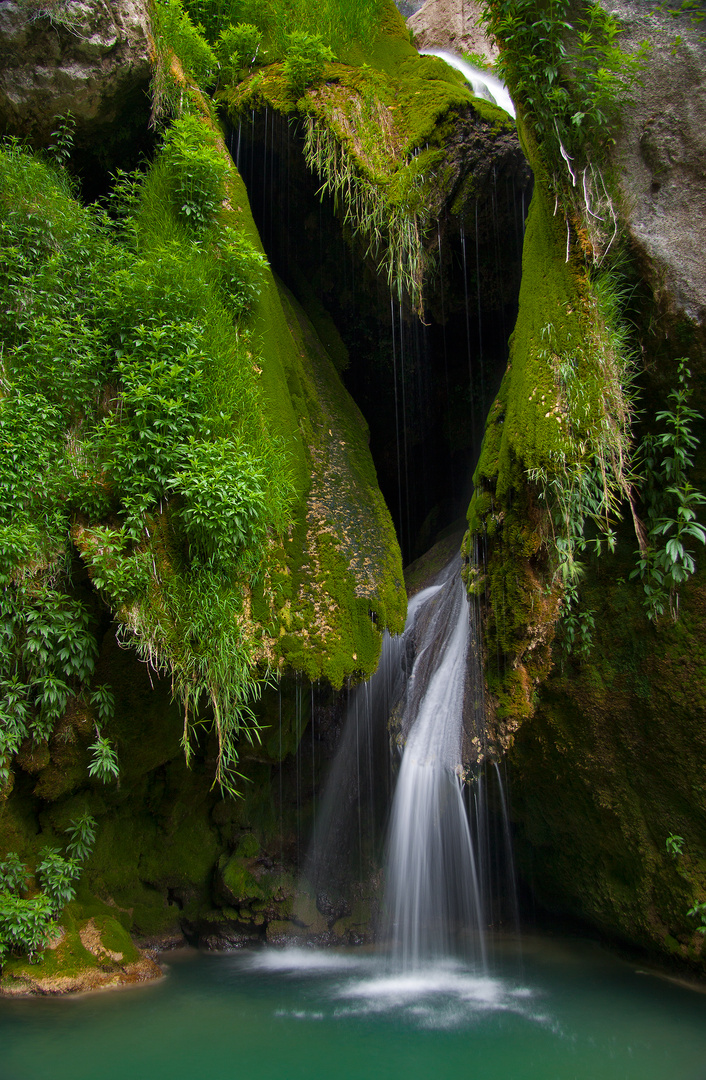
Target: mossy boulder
[611, 765]
[92, 950]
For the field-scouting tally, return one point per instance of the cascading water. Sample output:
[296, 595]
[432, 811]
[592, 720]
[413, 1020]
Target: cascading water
[427, 687]
[432, 896]
[483, 84]
[348, 816]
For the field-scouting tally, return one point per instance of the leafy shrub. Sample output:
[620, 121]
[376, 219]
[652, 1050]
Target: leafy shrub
[13, 874]
[104, 763]
[672, 503]
[567, 70]
[304, 64]
[176, 31]
[25, 925]
[241, 270]
[237, 49]
[225, 507]
[26, 922]
[123, 356]
[115, 569]
[57, 876]
[196, 172]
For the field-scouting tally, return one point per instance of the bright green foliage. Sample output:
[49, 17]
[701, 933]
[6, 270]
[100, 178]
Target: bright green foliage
[47, 650]
[132, 398]
[305, 61]
[577, 624]
[83, 834]
[57, 876]
[563, 63]
[667, 560]
[196, 172]
[63, 138]
[175, 30]
[26, 922]
[104, 763]
[225, 509]
[237, 50]
[674, 845]
[339, 22]
[241, 270]
[13, 874]
[104, 701]
[175, 35]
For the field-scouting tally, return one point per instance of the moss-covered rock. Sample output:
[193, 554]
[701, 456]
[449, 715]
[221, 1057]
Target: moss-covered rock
[91, 950]
[605, 747]
[610, 765]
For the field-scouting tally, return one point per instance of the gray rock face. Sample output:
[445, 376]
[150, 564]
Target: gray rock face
[451, 25]
[662, 156]
[86, 56]
[408, 7]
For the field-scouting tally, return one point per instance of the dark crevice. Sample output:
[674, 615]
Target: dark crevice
[424, 387]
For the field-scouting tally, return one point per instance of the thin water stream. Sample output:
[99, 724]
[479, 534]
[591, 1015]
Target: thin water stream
[432, 890]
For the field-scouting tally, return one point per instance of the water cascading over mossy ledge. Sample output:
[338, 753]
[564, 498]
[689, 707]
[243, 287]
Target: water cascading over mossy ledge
[210, 496]
[314, 596]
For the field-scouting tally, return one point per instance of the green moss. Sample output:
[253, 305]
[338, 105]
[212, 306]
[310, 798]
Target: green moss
[241, 885]
[248, 847]
[345, 579]
[525, 423]
[376, 135]
[553, 411]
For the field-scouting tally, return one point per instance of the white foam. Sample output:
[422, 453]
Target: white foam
[299, 1014]
[303, 960]
[437, 997]
[431, 983]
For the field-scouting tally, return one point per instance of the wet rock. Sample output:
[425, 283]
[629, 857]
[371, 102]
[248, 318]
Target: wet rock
[225, 936]
[332, 909]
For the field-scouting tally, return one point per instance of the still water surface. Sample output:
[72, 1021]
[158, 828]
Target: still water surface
[567, 1011]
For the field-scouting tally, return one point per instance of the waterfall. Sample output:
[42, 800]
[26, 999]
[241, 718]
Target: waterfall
[432, 895]
[428, 691]
[358, 780]
[483, 84]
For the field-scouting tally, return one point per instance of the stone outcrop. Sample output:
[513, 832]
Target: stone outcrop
[89, 57]
[452, 25]
[662, 155]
